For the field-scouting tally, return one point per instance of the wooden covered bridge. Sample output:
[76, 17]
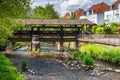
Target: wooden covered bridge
[50, 30]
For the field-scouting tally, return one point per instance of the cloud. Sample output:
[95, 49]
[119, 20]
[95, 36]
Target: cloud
[70, 5]
[63, 6]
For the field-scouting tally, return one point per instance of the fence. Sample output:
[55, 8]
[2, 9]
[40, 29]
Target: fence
[112, 39]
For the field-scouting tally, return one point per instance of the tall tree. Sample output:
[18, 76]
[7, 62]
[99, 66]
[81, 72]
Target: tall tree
[14, 8]
[45, 12]
[9, 10]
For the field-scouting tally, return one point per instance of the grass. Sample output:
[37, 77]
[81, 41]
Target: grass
[7, 70]
[111, 54]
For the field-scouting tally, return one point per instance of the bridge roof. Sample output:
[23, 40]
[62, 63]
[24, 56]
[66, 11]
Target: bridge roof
[57, 21]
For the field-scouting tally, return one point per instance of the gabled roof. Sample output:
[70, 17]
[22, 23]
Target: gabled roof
[99, 7]
[56, 21]
[79, 12]
[114, 6]
[66, 16]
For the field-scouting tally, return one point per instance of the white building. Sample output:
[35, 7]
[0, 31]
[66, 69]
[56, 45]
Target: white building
[96, 13]
[113, 15]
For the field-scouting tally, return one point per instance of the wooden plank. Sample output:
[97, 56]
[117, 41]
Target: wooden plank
[55, 21]
[42, 39]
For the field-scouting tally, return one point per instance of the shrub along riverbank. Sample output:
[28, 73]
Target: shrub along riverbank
[7, 70]
[111, 54]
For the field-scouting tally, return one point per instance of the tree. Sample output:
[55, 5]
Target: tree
[45, 12]
[14, 8]
[9, 10]
[73, 16]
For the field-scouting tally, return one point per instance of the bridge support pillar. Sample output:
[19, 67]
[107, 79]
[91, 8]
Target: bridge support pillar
[9, 48]
[60, 46]
[35, 43]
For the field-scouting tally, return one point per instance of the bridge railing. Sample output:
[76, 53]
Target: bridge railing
[102, 38]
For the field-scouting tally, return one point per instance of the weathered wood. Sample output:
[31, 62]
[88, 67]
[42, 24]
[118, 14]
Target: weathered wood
[43, 39]
[56, 21]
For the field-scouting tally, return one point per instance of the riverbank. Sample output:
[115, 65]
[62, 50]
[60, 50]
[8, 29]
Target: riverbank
[7, 70]
[52, 69]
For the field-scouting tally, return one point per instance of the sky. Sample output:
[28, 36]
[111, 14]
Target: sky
[64, 6]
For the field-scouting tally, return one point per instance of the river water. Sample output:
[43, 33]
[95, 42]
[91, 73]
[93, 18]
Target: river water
[52, 48]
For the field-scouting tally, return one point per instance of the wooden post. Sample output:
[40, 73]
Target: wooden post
[60, 45]
[35, 43]
[76, 36]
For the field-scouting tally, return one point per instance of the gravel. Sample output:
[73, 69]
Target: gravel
[42, 69]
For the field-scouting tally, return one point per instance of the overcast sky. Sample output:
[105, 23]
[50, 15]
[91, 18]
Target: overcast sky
[64, 6]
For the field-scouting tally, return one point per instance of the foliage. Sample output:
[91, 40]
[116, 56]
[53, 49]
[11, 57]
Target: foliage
[9, 10]
[102, 52]
[113, 24]
[81, 56]
[14, 8]
[7, 70]
[24, 63]
[107, 30]
[94, 29]
[75, 54]
[7, 27]
[99, 30]
[38, 50]
[66, 60]
[73, 16]
[102, 25]
[45, 12]
[88, 60]
[18, 44]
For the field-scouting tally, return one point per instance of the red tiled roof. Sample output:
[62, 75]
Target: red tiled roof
[114, 6]
[66, 16]
[79, 12]
[100, 7]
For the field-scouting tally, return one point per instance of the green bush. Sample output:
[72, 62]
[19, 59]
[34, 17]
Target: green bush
[66, 61]
[18, 44]
[7, 70]
[75, 54]
[88, 60]
[24, 63]
[107, 30]
[94, 29]
[111, 54]
[99, 30]
[81, 56]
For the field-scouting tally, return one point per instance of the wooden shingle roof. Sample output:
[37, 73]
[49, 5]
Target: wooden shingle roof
[56, 21]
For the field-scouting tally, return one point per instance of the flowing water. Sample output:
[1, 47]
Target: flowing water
[52, 48]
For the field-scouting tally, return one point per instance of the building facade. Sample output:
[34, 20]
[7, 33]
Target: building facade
[113, 15]
[96, 13]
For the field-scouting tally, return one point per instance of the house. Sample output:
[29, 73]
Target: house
[79, 12]
[96, 12]
[113, 15]
[66, 16]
